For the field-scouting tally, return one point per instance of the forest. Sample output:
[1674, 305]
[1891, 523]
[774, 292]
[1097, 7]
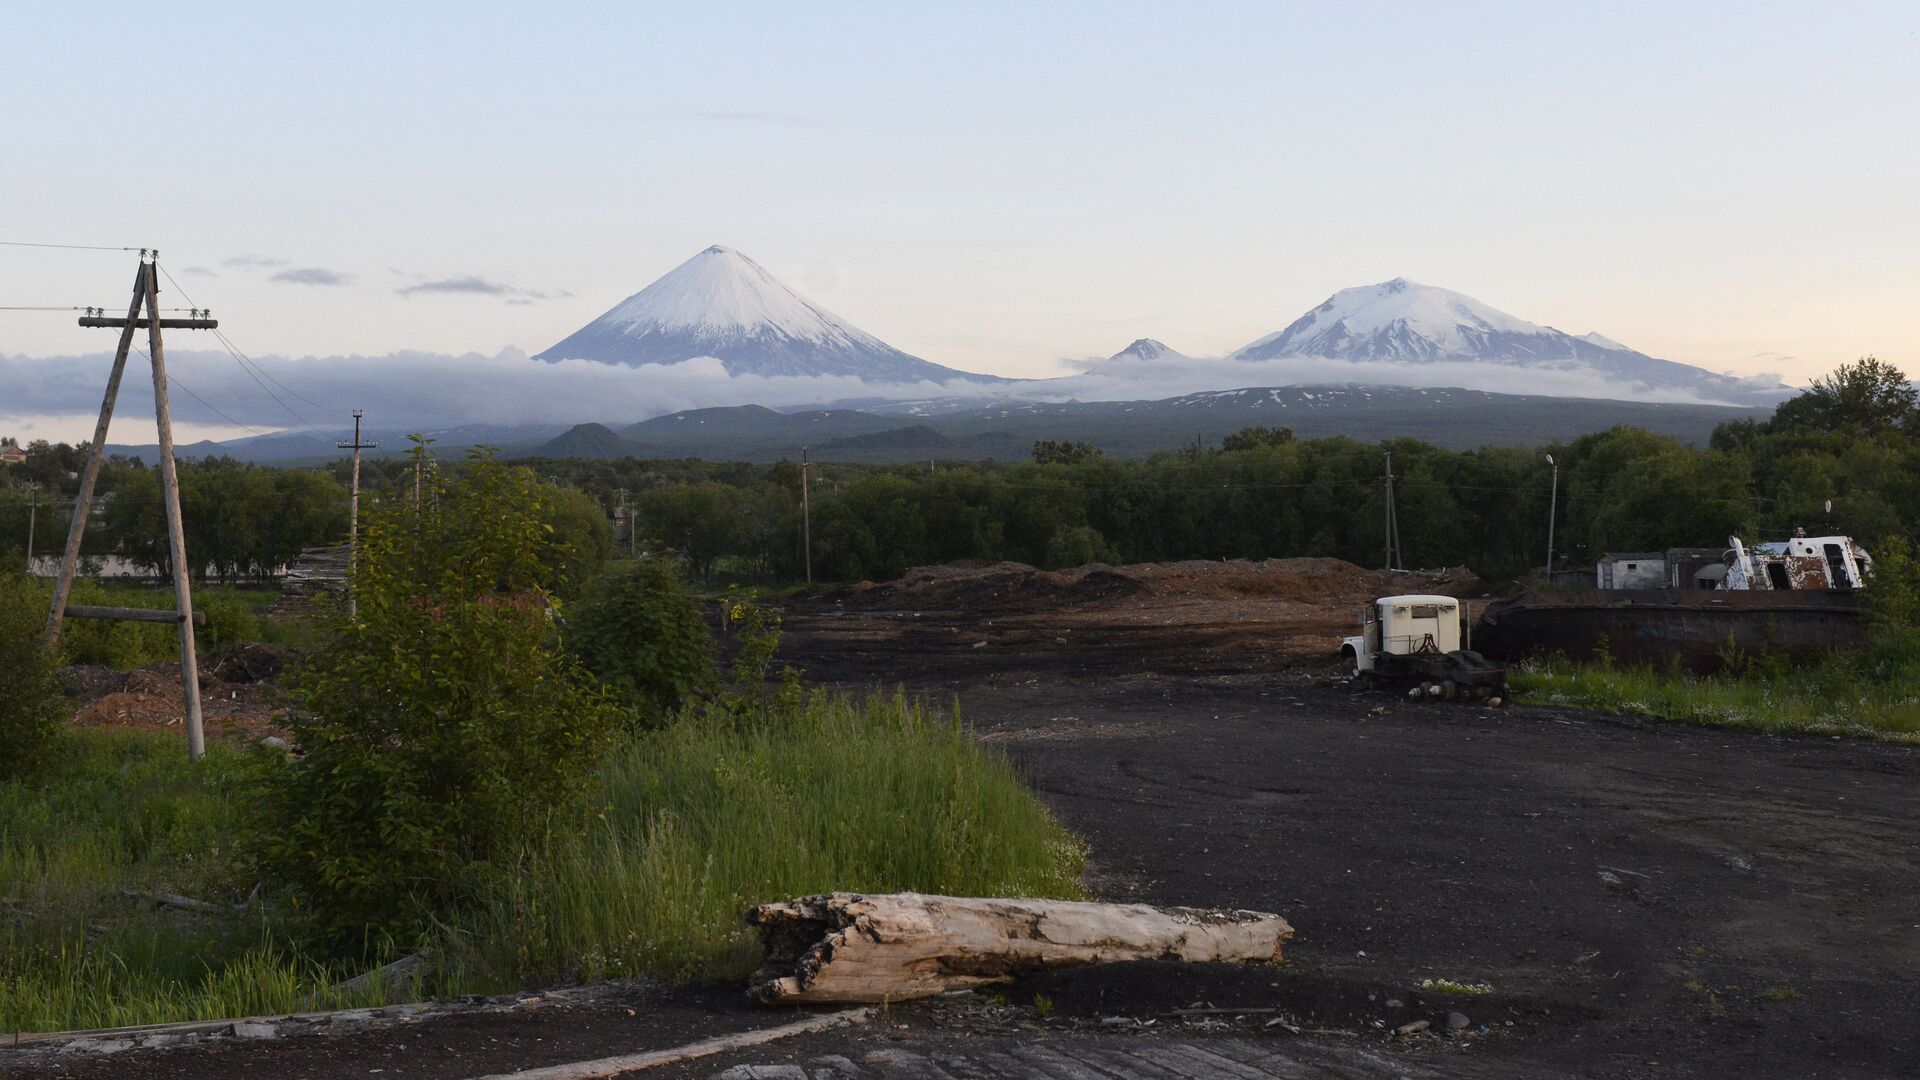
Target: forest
[1839, 458]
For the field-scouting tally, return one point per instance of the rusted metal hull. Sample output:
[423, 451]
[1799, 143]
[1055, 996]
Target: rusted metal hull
[1659, 626]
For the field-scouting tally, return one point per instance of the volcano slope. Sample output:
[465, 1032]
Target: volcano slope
[1628, 899]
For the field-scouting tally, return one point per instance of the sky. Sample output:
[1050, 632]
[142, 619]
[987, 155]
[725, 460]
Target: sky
[1002, 188]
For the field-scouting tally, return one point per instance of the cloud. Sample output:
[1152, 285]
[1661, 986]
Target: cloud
[479, 286]
[424, 391]
[253, 262]
[311, 275]
[200, 271]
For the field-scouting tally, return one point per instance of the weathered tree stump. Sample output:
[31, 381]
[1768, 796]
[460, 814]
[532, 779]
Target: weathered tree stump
[854, 947]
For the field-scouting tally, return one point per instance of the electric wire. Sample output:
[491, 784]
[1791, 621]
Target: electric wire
[69, 247]
[173, 381]
[253, 368]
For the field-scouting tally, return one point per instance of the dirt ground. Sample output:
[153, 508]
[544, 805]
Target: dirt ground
[1616, 898]
[238, 698]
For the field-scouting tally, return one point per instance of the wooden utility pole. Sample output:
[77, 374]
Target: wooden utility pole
[353, 509]
[806, 512]
[33, 514]
[146, 292]
[1394, 554]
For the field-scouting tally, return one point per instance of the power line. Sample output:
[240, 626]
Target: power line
[256, 371]
[174, 381]
[69, 247]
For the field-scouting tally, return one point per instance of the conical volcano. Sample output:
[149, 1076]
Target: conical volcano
[724, 305]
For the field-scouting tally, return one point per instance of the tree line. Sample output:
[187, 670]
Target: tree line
[1839, 458]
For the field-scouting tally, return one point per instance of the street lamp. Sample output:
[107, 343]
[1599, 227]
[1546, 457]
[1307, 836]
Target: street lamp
[1553, 503]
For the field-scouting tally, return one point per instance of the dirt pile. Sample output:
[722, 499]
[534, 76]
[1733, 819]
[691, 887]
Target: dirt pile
[234, 701]
[1012, 586]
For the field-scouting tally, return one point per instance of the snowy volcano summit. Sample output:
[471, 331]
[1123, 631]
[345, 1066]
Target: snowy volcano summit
[1407, 322]
[1147, 348]
[724, 305]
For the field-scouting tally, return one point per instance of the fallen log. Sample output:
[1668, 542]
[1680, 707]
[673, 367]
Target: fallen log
[857, 948]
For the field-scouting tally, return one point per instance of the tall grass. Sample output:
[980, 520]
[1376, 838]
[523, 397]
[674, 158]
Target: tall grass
[734, 804]
[730, 808]
[125, 811]
[1874, 693]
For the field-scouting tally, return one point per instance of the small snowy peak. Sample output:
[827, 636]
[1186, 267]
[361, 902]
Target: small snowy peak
[1148, 349]
[1604, 342]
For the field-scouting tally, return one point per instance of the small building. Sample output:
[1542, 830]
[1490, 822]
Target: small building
[12, 455]
[1630, 570]
[1696, 568]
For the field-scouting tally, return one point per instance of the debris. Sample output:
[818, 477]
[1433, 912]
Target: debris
[1414, 1028]
[1457, 1021]
[854, 947]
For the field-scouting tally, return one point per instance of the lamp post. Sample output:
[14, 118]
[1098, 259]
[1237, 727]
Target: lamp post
[1553, 504]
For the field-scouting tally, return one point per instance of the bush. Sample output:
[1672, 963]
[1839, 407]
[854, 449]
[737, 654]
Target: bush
[442, 726]
[230, 620]
[640, 631]
[29, 687]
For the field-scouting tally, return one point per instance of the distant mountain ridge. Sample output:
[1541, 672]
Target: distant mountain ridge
[724, 305]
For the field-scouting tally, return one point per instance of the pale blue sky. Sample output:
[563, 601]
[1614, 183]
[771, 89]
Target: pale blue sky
[993, 187]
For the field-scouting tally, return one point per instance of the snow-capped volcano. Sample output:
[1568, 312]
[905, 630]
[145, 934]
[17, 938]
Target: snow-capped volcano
[724, 305]
[1405, 321]
[1147, 348]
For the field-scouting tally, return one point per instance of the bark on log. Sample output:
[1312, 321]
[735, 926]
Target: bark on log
[858, 948]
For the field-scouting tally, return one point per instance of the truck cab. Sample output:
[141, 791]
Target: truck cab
[1404, 626]
[1416, 639]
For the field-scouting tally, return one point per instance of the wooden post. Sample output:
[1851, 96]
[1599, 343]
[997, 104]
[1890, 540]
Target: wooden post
[806, 511]
[353, 513]
[90, 473]
[176, 528]
[33, 519]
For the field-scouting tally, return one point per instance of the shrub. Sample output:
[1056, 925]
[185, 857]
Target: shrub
[29, 687]
[442, 726]
[640, 631]
[229, 619]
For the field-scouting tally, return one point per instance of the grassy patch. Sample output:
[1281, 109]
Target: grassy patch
[1874, 694]
[124, 811]
[732, 805]
[725, 809]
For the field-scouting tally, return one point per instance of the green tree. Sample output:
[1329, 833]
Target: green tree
[639, 629]
[1250, 438]
[1867, 395]
[1061, 452]
[441, 727]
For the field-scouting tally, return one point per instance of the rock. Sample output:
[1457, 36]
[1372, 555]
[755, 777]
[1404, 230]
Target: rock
[1414, 1028]
[1395, 1003]
[275, 742]
[1457, 1021]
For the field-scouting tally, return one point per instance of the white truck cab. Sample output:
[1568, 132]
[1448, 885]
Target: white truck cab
[1404, 626]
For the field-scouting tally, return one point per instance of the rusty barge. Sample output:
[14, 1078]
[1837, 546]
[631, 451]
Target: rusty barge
[1798, 598]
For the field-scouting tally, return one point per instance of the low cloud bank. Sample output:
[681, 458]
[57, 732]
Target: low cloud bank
[427, 390]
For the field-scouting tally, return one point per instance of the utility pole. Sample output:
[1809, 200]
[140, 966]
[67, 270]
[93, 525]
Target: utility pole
[146, 292]
[806, 512]
[1553, 504]
[1392, 525]
[33, 511]
[353, 511]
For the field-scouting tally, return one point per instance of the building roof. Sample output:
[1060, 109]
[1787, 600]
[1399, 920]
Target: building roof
[1638, 556]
